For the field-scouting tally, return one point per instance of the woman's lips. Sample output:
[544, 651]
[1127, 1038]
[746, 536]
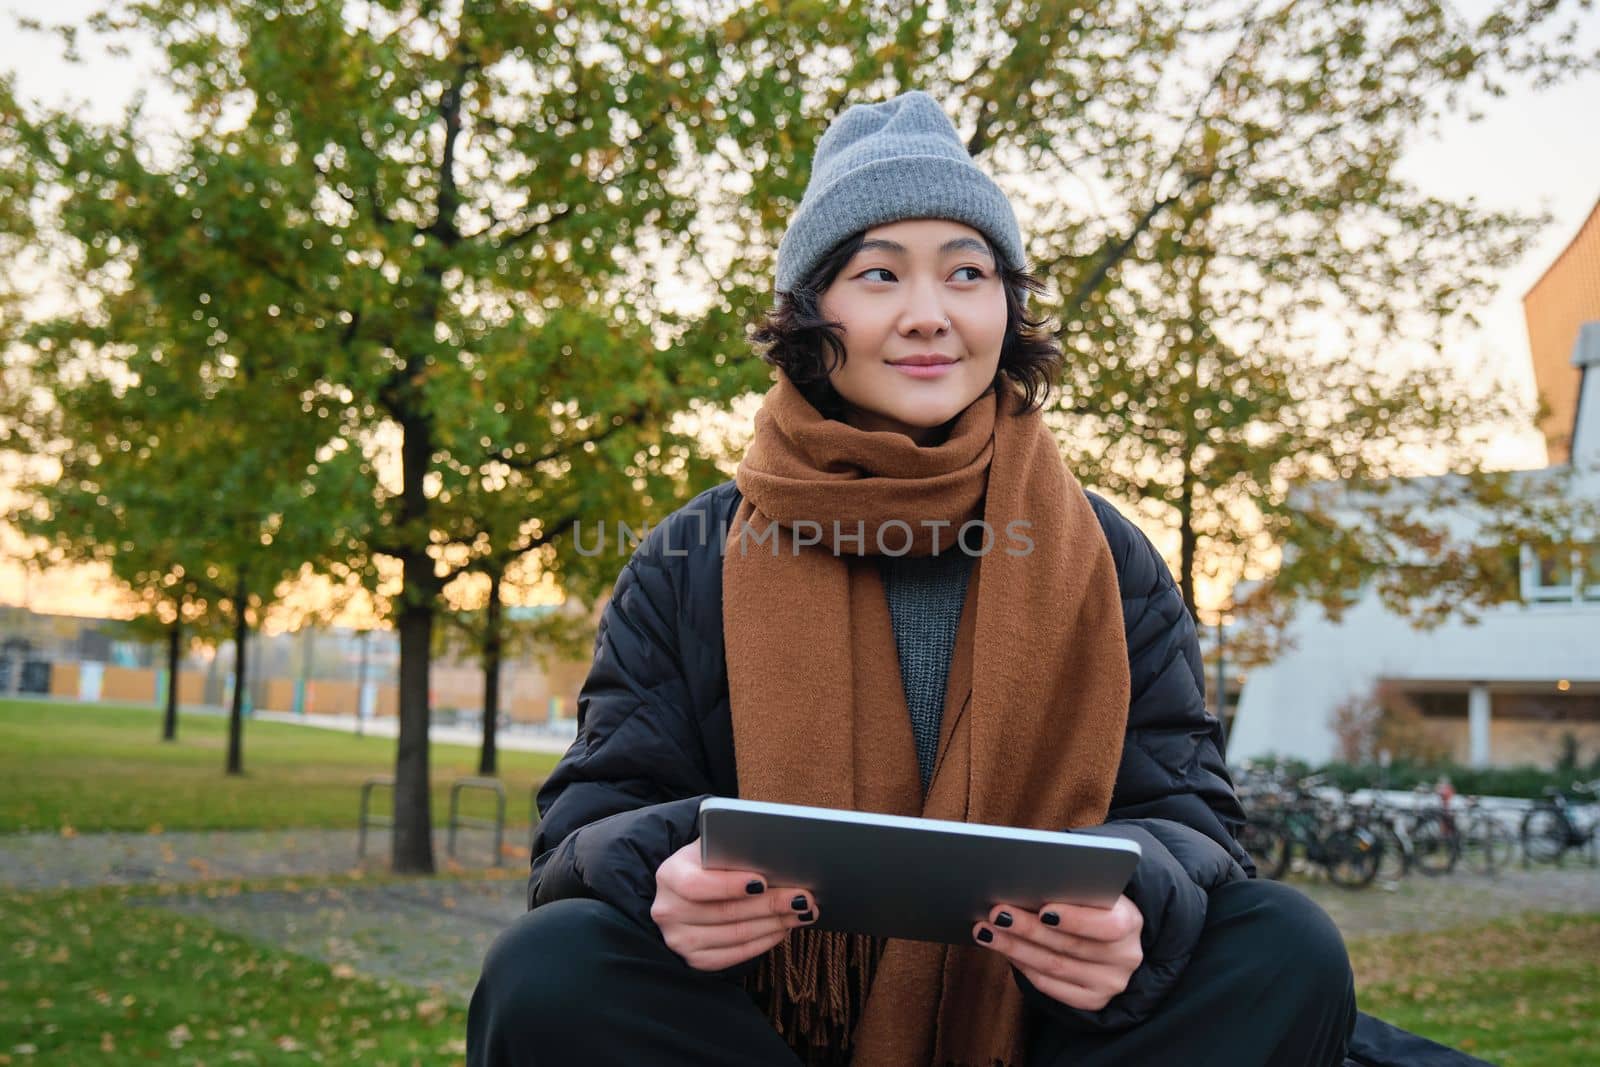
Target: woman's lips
[933, 370]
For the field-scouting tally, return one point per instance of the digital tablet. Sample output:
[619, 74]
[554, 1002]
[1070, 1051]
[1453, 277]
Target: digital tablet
[897, 876]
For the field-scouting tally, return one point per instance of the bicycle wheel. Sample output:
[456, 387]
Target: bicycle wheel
[1394, 857]
[1269, 845]
[1544, 835]
[1435, 846]
[1488, 845]
[1499, 845]
[1351, 858]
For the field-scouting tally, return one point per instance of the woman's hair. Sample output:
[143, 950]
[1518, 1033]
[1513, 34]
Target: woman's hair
[795, 336]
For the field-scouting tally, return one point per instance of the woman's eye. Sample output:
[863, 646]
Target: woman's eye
[977, 272]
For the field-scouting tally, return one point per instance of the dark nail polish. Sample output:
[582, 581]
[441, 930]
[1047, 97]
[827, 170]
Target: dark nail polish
[1003, 919]
[808, 916]
[754, 887]
[1050, 918]
[798, 904]
[985, 935]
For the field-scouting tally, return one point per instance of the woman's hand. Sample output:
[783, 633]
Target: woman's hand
[1077, 955]
[716, 919]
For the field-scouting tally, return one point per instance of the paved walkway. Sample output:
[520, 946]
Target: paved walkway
[50, 861]
[1418, 902]
[432, 933]
[556, 738]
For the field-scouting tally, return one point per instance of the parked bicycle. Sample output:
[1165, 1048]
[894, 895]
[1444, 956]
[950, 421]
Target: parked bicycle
[1553, 827]
[1431, 830]
[1325, 833]
[1487, 844]
[1384, 822]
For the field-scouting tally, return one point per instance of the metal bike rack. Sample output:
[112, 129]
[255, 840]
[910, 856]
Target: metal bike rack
[381, 781]
[457, 820]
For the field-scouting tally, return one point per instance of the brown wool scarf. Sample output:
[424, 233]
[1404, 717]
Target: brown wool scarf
[1036, 698]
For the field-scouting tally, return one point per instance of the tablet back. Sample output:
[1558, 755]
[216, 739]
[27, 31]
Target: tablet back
[924, 879]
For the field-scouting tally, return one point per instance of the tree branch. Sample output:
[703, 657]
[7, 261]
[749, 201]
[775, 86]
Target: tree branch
[636, 417]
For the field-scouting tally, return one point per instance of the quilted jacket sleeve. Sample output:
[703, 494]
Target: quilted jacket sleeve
[626, 794]
[1173, 794]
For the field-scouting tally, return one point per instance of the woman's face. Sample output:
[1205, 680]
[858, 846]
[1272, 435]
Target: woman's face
[917, 287]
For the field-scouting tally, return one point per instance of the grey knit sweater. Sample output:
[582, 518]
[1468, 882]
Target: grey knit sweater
[925, 598]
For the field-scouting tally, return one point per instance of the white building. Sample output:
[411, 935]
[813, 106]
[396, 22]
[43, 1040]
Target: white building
[1512, 689]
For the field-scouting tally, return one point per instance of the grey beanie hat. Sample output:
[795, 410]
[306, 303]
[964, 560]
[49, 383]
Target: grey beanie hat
[879, 163]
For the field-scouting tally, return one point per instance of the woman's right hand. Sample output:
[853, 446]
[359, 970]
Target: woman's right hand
[716, 919]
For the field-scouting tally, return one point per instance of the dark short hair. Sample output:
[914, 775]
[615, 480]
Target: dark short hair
[795, 336]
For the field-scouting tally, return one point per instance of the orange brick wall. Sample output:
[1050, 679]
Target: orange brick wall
[64, 680]
[128, 685]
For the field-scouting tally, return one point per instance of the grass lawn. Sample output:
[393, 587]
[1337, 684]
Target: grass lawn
[1519, 992]
[86, 980]
[82, 768]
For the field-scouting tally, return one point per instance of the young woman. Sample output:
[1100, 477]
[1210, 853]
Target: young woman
[903, 602]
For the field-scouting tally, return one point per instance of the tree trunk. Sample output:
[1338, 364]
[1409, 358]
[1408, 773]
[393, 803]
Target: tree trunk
[413, 817]
[491, 678]
[241, 631]
[1186, 547]
[420, 587]
[169, 723]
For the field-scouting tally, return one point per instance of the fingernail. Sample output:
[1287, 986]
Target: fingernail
[1050, 918]
[1003, 919]
[808, 916]
[754, 887]
[798, 904]
[985, 934]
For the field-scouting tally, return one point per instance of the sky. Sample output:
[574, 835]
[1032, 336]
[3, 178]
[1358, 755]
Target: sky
[1533, 151]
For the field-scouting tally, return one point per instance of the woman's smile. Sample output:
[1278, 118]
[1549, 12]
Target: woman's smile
[925, 370]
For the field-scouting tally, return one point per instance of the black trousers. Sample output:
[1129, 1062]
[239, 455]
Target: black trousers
[577, 982]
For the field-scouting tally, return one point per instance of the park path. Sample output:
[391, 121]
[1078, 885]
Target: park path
[54, 861]
[432, 933]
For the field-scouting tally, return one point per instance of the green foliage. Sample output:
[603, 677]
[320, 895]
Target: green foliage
[1526, 781]
[1197, 382]
[299, 777]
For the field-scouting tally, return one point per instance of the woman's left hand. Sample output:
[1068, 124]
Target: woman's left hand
[1077, 955]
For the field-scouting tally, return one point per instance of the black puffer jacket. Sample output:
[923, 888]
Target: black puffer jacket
[655, 737]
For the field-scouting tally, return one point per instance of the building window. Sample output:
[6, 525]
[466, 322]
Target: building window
[1554, 575]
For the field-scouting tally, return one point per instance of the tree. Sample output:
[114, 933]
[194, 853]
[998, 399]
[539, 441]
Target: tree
[185, 503]
[421, 225]
[554, 634]
[1195, 386]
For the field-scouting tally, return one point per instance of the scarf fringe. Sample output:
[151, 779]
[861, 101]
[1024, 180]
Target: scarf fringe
[813, 986]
